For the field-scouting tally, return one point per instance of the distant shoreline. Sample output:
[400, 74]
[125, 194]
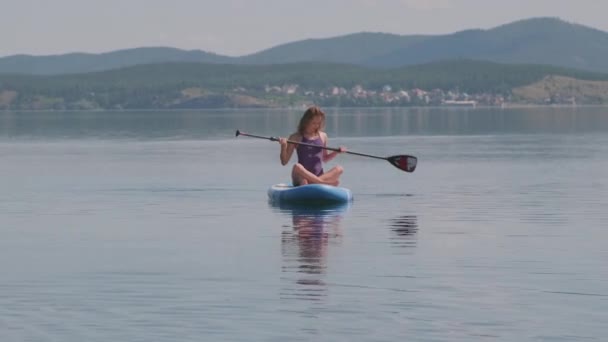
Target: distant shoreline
[326, 108]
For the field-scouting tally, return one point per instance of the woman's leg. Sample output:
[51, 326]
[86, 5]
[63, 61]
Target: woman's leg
[301, 176]
[332, 176]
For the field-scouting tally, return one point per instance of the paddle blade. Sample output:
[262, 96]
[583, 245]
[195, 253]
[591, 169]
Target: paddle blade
[404, 162]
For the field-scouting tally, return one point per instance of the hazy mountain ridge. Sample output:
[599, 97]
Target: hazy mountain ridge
[532, 41]
[74, 63]
[354, 48]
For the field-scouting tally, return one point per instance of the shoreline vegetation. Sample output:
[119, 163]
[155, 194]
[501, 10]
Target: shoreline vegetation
[303, 107]
[507, 106]
[175, 86]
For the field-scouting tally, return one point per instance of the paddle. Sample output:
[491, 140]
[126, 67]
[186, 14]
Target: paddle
[402, 162]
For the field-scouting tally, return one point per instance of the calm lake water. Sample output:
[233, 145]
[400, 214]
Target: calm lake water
[155, 226]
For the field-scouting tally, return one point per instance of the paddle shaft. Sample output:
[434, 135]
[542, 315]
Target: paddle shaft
[305, 144]
[403, 162]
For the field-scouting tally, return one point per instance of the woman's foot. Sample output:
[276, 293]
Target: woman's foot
[332, 182]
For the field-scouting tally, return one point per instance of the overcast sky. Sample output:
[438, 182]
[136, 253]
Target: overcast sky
[238, 27]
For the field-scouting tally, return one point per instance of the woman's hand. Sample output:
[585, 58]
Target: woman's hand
[283, 141]
[341, 149]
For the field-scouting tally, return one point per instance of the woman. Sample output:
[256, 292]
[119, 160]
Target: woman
[309, 168]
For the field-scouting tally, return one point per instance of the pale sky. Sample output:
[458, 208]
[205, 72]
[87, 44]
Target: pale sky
[239, 27]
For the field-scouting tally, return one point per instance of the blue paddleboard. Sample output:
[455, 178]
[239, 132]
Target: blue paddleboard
[309, 194]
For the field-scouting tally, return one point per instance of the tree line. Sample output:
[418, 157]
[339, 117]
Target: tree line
[162, 85]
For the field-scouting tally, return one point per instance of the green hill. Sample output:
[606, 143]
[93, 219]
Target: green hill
[198, 85]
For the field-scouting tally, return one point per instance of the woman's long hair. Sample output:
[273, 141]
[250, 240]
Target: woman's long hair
[310, 114]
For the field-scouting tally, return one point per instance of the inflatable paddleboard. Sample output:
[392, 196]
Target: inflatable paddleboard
[309, 194]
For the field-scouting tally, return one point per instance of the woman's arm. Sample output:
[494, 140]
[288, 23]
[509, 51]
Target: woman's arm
[287, 148]
[327, 155]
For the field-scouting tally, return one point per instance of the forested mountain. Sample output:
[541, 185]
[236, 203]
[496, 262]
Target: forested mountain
[547, 41]
[350, 49]
[74, 63]
[204, 85]
[535, 41]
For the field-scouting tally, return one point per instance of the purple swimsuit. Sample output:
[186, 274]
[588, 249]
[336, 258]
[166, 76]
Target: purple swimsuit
[311, 157]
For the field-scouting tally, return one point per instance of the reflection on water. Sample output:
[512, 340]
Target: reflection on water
[342, 122]
[405, 228]
[148, 240]
[305, 246]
